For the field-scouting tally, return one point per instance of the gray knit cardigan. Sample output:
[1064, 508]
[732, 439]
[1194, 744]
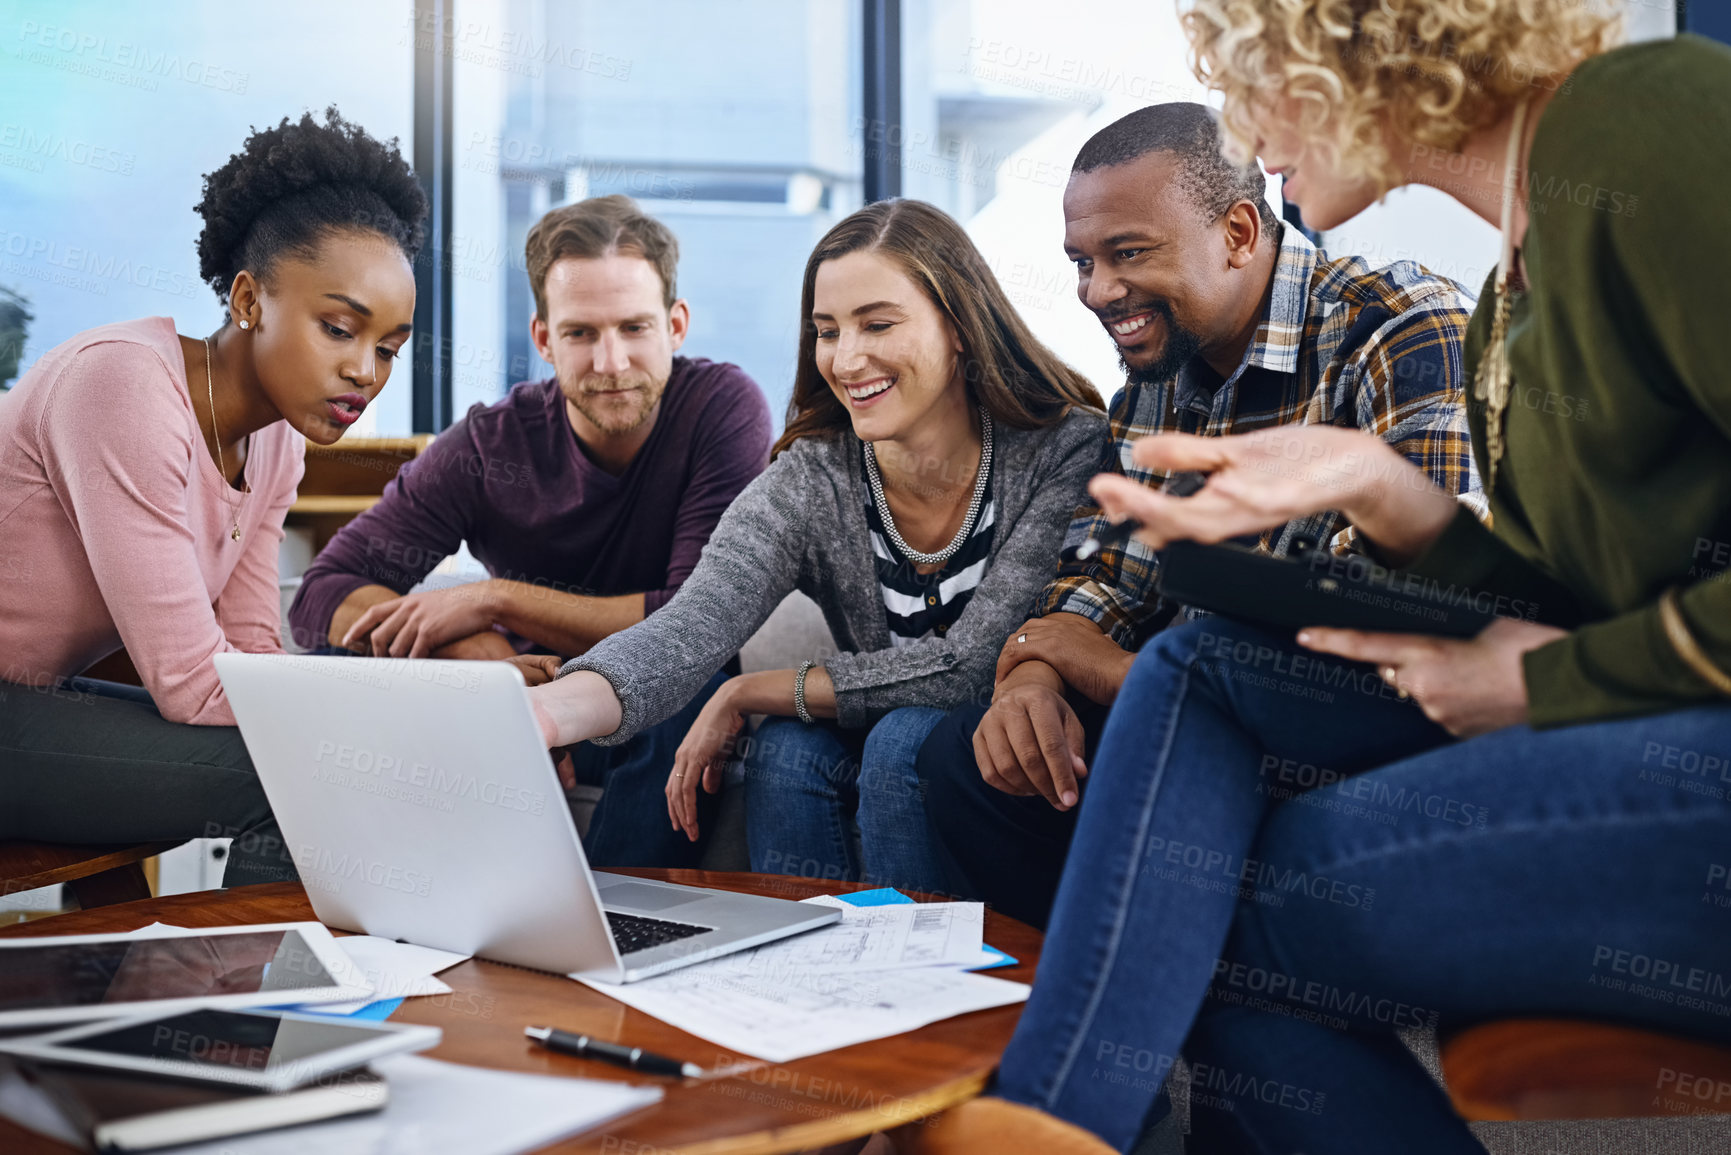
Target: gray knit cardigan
[801, 525]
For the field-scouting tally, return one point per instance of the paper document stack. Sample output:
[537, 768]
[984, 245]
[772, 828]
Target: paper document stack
[881, 970]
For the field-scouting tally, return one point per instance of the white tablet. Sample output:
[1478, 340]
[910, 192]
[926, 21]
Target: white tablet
[260, 1050]
[76, 977]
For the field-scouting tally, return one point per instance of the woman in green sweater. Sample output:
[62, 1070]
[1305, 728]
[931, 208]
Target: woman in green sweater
[1290, 849]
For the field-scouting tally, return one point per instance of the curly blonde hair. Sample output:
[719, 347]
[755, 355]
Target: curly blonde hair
[1432, 71]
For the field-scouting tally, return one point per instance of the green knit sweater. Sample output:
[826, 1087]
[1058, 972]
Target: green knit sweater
[1615, 483]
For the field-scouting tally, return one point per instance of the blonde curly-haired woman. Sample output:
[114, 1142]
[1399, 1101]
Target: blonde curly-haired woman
[1274, 881]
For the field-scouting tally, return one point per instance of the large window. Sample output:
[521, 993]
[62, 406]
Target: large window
[740, 123]
[998, 97]
[734, 123]
[111, 113]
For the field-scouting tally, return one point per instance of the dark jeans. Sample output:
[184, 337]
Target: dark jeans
[1283, 863]
[89, 762]
[1003, 849]
[630, 826]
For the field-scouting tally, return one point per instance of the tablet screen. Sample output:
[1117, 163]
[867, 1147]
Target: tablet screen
[229, 1039]
[140, 969]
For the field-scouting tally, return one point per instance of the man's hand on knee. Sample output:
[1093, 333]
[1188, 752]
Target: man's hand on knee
[1084, 655]
[1030, 742]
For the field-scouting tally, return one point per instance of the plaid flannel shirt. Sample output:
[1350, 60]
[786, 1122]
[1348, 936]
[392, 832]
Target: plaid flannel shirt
[1342, 344]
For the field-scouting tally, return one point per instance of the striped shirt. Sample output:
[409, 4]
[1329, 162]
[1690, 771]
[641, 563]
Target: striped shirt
[1342, 344]
[923, 605]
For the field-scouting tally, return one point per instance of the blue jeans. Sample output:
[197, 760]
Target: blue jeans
[1282, 863]
[630, 826]
[805, 786]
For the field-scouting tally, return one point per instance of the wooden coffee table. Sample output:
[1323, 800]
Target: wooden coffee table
[754, 1107]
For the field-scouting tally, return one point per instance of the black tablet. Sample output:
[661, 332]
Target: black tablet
[1321, 588]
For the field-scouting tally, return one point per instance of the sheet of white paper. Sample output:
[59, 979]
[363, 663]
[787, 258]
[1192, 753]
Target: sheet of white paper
[780, 1017]
[397, 958]
[439, 1108]
[164, 930]
[407, 989]
[397, 970]
[870, 938]
[985, 956]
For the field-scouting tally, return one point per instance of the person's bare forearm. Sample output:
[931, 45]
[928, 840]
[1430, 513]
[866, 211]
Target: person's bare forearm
[1077, 648]
[1030, 673]
[486, 646]
[576, 708]
[1402, 514]
[565, 623]
[1259, 480]
[352, 607]
[771, 692]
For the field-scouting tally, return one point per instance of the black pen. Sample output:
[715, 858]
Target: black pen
[1116, 533]
[634, 1058]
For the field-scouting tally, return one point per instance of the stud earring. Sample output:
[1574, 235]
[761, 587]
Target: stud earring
[245, 324]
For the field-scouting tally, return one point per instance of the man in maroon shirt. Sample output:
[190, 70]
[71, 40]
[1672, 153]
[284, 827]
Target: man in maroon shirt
[588, 498]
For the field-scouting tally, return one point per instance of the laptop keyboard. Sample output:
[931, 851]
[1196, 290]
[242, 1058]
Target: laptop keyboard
[633, 932]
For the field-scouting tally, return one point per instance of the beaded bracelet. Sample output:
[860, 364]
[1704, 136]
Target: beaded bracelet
[799, 692]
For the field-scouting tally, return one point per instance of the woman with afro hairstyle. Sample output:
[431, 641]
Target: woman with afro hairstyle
[144, 477]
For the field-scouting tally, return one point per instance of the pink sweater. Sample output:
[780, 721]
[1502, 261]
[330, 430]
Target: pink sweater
[115, 524]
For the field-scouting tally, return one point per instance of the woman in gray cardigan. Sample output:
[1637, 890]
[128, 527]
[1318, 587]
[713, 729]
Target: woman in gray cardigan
[933, 455]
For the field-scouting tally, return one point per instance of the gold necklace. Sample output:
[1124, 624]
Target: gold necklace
[1493, 381]
[221, 465]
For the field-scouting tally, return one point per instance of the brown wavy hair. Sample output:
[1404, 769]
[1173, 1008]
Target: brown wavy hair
[594, 228]
[1432, 71]
[1021, 383]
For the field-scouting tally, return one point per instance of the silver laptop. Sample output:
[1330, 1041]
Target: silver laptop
[419, 804]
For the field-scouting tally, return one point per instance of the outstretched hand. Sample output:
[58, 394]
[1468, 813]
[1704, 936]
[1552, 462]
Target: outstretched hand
[1256, 481]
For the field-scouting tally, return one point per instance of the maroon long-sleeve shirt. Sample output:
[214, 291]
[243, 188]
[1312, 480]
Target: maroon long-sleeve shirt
[511, 480]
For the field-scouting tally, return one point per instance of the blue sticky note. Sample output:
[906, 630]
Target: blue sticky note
[890, 896]
[376, 1012]
[882, 896]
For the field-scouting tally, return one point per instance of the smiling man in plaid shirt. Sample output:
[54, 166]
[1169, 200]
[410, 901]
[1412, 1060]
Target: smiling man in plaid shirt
[1226, 322]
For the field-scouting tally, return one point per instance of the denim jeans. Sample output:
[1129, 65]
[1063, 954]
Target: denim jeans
[630, 826]
[805, 786]
[1280, 861]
